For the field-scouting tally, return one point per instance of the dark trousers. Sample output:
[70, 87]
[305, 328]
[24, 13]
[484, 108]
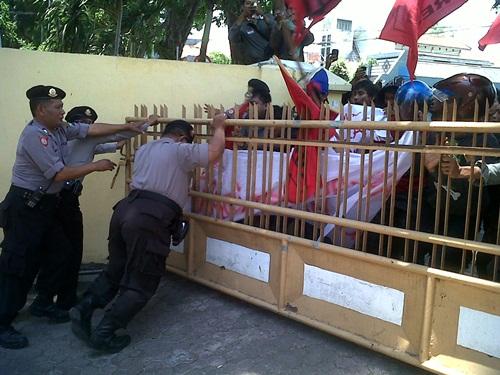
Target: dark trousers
[51, 281]
[30, 234]
[139, 243]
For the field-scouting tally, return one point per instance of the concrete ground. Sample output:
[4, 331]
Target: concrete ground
[190, 329]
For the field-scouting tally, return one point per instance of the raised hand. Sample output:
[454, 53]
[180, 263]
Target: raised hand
[104, 165]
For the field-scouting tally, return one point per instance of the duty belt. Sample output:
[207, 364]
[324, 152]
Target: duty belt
[137, 193]
[74, 186]
[27, 194]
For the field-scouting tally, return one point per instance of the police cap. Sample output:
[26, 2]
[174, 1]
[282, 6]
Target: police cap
[83, 112]
[41, 92]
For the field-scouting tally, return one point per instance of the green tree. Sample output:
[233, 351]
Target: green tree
[339, 68]
[8, 29]
[219, 58]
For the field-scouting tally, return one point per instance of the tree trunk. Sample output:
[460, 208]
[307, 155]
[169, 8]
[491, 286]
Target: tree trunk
[232, 10]
[119, 17]
[206, 31]
[178, 24]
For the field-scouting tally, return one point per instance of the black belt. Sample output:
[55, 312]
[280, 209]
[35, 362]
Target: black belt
[26, 192]
[32, 198]
[146, 194]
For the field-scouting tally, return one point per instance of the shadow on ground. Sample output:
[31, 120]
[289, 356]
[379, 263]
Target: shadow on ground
[190, 329]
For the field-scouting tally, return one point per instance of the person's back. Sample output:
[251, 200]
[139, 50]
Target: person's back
[177, 160]
[142, 227]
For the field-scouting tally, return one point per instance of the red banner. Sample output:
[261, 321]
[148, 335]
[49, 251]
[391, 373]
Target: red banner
[409, 19]
[492, 36]
[315, 10]
[303, 105]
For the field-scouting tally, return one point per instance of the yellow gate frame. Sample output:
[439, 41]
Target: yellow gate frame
[440, 321]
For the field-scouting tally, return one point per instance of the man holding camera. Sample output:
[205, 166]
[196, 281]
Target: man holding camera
[27, 214]
[254, 36]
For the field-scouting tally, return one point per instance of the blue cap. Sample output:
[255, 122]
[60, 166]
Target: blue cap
[412, 91]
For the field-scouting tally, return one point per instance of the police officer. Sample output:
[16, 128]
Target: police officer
[27, 215]
[63, 282]
[141, 229]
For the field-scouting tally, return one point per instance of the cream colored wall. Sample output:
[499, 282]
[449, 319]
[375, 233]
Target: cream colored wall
[112, 85]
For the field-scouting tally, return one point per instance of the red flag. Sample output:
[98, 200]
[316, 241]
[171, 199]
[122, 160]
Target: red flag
[315, 10]
[409, 19]
[492, 36]
[303, 104]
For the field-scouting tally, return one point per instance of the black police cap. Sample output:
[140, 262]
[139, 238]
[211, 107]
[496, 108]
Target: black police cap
[81, 112]
[258, 86]
[41, 92]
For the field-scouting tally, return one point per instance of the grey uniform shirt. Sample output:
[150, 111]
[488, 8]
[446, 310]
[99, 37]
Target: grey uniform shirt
[82, 151]
[165, 167]
[41, 154]
[490, 173]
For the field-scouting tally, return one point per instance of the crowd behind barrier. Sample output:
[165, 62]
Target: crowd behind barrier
[371, 181]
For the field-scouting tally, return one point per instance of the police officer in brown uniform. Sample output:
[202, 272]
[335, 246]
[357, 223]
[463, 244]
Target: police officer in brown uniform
[27, 214]
[140, 231]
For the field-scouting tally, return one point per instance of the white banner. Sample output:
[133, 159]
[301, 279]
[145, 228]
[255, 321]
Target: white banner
[352, 193]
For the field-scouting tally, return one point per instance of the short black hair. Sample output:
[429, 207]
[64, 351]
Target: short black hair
[34, 103]
[178, 128]
[367, 85]
[260, 89]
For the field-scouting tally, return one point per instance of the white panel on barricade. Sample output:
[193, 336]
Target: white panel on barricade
[179, 248]
[237, 258]
[479, 331]
[370, 299]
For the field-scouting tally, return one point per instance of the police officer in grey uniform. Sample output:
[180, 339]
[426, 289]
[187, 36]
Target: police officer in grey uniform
[27, 214]
[140, 231]
[63, 281]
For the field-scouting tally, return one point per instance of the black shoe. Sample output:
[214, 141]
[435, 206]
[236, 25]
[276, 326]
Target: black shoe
[80, 325]
[81, 317]
[103, 338]
[50, 310]
[12, 339]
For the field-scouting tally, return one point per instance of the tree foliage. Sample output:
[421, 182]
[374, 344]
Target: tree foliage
[339, 68]
[219, 58]
[8, 28]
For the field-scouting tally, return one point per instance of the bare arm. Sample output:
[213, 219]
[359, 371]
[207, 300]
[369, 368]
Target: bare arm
[216, 143]
[450, 167]
[70, 173]
[99, 129]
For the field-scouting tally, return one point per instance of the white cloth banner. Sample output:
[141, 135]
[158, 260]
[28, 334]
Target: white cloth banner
[351, 193]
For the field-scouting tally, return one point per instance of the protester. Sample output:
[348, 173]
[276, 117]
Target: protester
[464, 90]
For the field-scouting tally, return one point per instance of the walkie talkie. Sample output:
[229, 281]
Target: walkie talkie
[35, 198]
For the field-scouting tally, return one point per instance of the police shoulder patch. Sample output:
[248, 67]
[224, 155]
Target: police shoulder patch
[44, 140]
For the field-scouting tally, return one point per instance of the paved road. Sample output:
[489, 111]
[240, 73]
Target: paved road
[189, 329]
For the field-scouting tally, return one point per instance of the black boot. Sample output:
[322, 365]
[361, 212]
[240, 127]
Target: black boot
[12, 339]
[81, 317]
[103, 338]
[44, 307]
